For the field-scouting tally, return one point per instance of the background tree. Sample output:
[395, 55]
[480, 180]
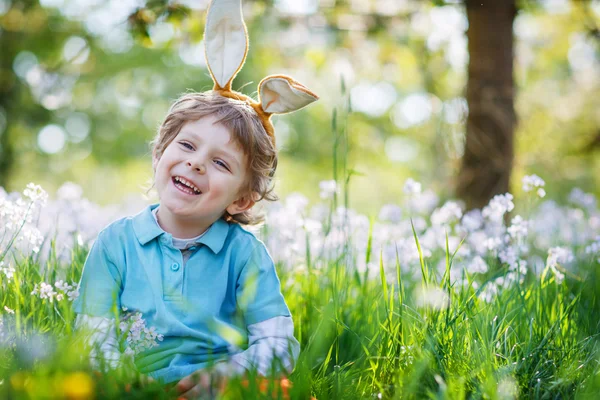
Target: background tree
[489, 148]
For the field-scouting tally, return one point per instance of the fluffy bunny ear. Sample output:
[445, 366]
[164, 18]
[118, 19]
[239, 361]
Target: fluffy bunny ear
[280, 94]
[226, 41]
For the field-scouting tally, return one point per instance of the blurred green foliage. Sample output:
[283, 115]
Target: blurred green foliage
[403, 65]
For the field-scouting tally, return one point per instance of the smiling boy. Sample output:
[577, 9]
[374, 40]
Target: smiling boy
[186, 264]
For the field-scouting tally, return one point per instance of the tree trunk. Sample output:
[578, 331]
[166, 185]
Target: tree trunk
[488, 158]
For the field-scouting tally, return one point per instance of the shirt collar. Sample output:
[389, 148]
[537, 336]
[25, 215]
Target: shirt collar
[146, 229]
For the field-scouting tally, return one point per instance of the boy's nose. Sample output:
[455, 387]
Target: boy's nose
[199, 167]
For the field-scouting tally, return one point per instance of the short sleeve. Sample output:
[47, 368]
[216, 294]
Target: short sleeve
[258, 291]
[100, 285]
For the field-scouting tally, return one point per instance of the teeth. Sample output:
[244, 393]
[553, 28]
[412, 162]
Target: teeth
[188, 183]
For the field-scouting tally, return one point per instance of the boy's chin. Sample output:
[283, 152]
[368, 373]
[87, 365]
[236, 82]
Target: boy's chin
[179, 208]
[191, 212]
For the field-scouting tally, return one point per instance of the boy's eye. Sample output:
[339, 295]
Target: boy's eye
[187, 145]
[222, 164]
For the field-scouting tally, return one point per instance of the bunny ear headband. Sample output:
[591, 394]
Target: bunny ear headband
[226, 46]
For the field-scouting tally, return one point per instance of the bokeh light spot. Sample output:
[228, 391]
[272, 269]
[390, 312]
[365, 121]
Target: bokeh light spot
[24, 62]
[161, 33]
[298, 7]
[51, 139]
[78, 127]
[582, 54]
[52, 3]
[373, 100]
[76, 50]
[193, 54]
[415, 109]
[401, 149]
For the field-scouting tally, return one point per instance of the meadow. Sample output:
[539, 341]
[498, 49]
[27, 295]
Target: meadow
[396, 289]
[422, 301]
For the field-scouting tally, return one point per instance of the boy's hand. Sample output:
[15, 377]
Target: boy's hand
[201, 382]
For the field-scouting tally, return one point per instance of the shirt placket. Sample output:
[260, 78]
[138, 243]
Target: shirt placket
[172, 273]
[189, 252]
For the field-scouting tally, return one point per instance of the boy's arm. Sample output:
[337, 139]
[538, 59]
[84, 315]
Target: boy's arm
[268, 320]
[272, 348]
[101, 282]
[102, 338]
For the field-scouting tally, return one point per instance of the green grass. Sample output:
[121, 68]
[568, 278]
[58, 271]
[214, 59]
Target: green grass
[360, 338]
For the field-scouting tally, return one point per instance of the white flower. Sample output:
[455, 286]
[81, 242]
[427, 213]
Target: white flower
[594, 247]
[69, 191]
[531, 182]
[489, 292]
[423, 203]
[492, 243]
[559, 255]
[71, 291]
[139, 338]
[450, 212]
[582, 199]
[33, 236]
[73, 294]
[8, 310]
[477, 265]
[36, 194]
[509, 256]
[296, 202]
[328, 189]
[8, 271]
[472, 220]
[412, 187]
[44, 291]
[518, 228]
[498, 206]
[541, 193]
[391, 213]
[556, 257]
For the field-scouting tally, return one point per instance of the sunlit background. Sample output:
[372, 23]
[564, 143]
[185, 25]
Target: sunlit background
[83, 89]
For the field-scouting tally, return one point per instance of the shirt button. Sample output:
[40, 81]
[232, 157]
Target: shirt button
[192, 248]
[174, 267]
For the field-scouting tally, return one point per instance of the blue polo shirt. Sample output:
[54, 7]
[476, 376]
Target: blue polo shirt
[202, 308]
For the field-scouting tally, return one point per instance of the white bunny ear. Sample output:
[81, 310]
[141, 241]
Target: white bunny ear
[226, 41]
[280, 94]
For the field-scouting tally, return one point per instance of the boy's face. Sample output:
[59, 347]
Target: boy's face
[201, 172]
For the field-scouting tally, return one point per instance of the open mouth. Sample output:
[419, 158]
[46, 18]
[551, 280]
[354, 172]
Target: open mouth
[185, 186]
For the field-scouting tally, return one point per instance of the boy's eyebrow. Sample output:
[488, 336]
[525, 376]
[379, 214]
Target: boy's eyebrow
[224, 152]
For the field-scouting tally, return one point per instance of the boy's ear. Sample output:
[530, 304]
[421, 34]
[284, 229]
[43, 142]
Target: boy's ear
[242, 204]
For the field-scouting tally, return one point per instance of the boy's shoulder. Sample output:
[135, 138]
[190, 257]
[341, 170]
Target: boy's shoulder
[241, 237]
[121, 227]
